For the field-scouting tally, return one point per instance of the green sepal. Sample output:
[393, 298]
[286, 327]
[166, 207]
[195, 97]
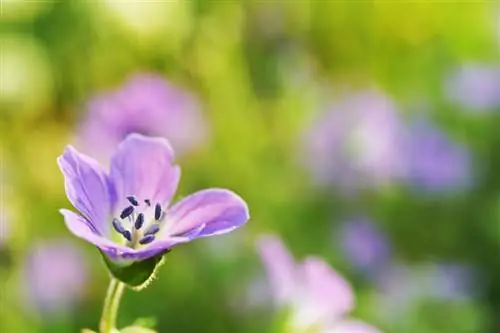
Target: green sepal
[136, 275]
[136, 329]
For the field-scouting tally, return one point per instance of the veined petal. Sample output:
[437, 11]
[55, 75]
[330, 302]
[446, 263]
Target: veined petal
[323, 291]
[87, 187]
[280, 268]
[142, 166]
[155, 248]
[352, 326]
[82, 228]
[212, 212]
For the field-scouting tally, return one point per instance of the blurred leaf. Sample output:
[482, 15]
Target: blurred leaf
[86, 330]
[137, 275]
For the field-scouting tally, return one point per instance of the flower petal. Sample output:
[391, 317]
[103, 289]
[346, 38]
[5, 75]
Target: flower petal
[208, 212]
[87, 187]
[352, 326]
[155, 248]
[82, 228]
[324, 290]
[280, 268]
[142, 166]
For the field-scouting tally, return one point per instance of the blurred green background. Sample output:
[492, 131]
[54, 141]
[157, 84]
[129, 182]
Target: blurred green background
[261, 72]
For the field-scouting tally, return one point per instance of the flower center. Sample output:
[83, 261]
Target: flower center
[132, 225]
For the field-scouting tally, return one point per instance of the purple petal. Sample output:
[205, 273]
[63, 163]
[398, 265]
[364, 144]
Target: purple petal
[352, 326]
[324, 290]
[142, 166]
[280, 268]
[80, 227]
[87, 187]
[155, 248]
[212, 212]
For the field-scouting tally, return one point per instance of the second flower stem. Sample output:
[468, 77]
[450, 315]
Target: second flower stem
[111, 305]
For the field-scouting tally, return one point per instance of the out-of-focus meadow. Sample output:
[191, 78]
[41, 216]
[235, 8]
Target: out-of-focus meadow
[363, 132]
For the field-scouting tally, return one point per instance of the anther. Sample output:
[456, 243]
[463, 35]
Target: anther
[152, 230]
[118, 226]
[133, 200]
[139, 222]
[148, 202]
[127, 235]
[126, 212]
[158, 212]
[147, 239]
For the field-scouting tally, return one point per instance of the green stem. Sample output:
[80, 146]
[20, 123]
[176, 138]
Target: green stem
[111, 305]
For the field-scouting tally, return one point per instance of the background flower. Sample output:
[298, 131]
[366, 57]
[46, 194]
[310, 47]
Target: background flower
[55, 277]
[146, 104]
[436, 163]
[474, 86]
[357, 142]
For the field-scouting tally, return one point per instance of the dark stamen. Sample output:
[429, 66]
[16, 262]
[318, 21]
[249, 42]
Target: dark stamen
[118, 226]
[139, 221]
[148, 202]
[152, 230]
[133, 200]
[147, 239]
[126, 212]
[127, 235]
[158, 212]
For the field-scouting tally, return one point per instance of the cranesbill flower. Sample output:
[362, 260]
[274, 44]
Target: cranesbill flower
[364, 245]
[357, 143]
[436, 163]
[55, 275]
[317, 297]
[403, 286]
[475, 87]
[145, 104]
[128, 213]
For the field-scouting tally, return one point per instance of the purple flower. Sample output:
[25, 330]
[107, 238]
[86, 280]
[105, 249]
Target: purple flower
[365, 246]
[316, 295]
[128, 212]
[475, 86]
[55, 276]
[435, 162]
[357, 143]
[146, 104]
[403, 286]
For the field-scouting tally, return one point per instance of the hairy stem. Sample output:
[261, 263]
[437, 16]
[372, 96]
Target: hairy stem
[111, 305]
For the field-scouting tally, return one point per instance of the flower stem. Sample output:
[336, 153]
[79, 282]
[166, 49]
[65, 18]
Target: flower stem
[111, 304]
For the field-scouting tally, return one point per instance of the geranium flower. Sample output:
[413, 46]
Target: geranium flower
[146, 104]
[318, 298]
[128, 213]
[55, 275]
[356, 143]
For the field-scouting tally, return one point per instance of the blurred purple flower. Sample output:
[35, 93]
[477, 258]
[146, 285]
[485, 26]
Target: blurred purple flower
[435, 162]
[146, 104]
[127, 213]
[365, 246]
[475, 86]
[357, 143]
[404, 286]
[55, 276]
[316, 295]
